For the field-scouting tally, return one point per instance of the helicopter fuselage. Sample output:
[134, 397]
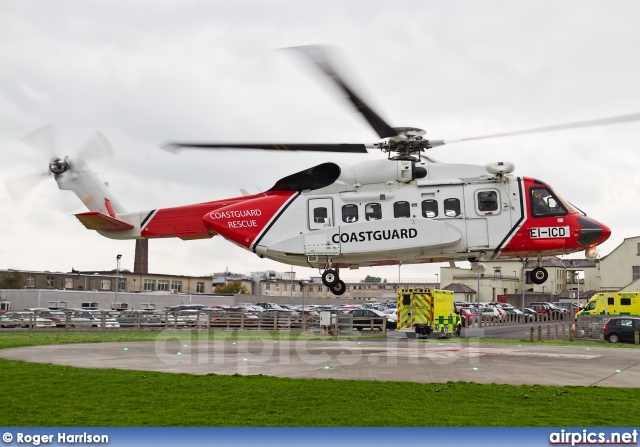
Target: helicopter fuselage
[378, 212]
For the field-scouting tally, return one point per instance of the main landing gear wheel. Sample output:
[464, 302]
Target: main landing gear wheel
[330, 278]
[539, 275]
[338, 288]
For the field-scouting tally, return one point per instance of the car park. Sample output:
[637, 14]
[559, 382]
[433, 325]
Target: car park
[621, 329]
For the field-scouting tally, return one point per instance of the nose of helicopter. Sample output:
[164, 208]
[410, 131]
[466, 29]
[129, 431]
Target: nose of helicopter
[592, 233]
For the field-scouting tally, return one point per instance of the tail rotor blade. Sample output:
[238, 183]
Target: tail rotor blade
[97, 147]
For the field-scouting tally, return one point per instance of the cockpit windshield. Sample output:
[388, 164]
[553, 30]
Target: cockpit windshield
[545, 203]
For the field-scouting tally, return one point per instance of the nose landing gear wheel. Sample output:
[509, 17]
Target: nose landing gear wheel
[330, 278]
[338, 288]
[539, 275]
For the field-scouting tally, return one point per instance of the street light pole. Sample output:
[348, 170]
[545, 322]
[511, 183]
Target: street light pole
[524, 265]
[115, 304]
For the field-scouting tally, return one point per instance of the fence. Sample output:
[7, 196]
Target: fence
[200, 320]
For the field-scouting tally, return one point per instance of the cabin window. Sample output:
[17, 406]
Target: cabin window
[487, 201]
[373, 211]
[625, 301]
[350, 213]
[610, 301]
[452, 207]
[320, 215]
[544, 203]
[429, 208]
[401, 209]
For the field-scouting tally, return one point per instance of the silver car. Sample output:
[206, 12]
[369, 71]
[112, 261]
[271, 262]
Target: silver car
[92, 319]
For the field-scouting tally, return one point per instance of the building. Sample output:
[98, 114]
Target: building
[620, 269]
[105, 281]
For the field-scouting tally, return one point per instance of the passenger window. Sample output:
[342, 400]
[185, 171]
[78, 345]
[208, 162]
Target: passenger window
[625, 301]
[350, 213]
[429, 208]
[487, 201]
[401, 209]
[320, 215]
[610, 301]
[373, 211]
[452, 207]
[544, 203]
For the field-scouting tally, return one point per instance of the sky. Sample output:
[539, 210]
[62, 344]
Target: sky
[146, 73]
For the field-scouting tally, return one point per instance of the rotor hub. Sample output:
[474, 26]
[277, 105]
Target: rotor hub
[58, 165]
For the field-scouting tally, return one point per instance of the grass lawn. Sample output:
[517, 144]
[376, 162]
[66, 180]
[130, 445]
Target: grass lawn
[48, 395]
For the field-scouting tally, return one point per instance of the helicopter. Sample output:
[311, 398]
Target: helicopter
[404, 209]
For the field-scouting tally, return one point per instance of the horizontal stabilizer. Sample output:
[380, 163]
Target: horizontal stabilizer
[94, 220]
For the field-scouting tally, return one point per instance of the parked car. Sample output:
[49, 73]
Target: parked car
[621, 329]
[236, 320]
[60, 318]
[28, 318]
[91, 319]
[364, 318]
[532, 314]
[7, 321]
[516, 313]
[489, 313]
[468, 315]
[130, 318]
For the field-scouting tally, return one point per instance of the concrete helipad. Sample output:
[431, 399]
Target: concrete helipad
[366, 359]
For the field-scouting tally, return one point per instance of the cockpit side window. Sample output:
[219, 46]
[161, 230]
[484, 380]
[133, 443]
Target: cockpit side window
[545, 204]
[320, 215]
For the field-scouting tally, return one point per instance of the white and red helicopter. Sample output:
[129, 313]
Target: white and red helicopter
[403, 209]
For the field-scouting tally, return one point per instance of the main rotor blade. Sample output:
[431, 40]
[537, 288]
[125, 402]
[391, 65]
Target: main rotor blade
[317, 55]
[576, 125]
[318, 147]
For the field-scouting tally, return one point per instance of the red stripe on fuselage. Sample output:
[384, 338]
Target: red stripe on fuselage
[243, 222]
[187, 222]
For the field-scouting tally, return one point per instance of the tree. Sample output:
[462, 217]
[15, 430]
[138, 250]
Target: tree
[12, 280]
[231, 287]
[372, 279]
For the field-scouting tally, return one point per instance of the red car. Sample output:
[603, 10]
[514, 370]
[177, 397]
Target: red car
[467, 315]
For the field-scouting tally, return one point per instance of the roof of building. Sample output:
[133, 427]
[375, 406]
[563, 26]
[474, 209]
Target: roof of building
[459, 288]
